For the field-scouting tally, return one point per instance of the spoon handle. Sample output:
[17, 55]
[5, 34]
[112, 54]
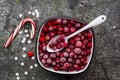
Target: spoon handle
[100, 19]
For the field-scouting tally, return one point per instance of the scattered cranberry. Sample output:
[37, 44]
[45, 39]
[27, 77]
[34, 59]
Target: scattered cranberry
[73, 57]
[30, 53]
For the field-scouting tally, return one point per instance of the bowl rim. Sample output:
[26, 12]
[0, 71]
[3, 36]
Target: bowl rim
[37, 44]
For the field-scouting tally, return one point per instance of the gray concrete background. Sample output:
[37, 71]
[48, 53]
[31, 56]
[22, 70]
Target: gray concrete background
[105, 64]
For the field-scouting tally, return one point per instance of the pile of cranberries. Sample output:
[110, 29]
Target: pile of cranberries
[74, 56]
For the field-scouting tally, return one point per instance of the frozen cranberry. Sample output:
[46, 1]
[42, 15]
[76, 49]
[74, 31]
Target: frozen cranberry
[57, 60]
[89, 45]
[82, 37]
[59, 20]
[89, 35]
[43, 61]
[84, 62]
[60, 29]
[66, 65]
[64, 21]
[62, 59]
[70, 60]
[77, 61]
[77, 50]
[88, 52]
[78, 68]
[77, 25]
[52, 55]
[51, 28]
[66, 29]
[53, 63]
[71, 41]
[44, 48]
[65, 54]
[57, 53]
[45, 56]
[72, 29]
[75, 66]
[85, 41]
[68, 49]
[71, 54]
[59, 46]
[41, 54]
[52, 34]
[78, 44]
[47, 37]
[71, 21]
[77, 38]
[83, 53]
[71, 46]
[64, 44]
[42, 39]
[56, 68]
[49, 23]
[45, 29]
[49, 61]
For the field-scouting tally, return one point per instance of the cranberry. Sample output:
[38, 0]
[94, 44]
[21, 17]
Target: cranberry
[66, 64]
[68, 49]
[78, 25]
[64, 21]
[89, 35]
[64, 44]
[72, 29]
[52, 34]
[77, 38]
[78, 44]
[71, 54]
[70, 59]
[75, 66]
[45, 29]
[45, 56]
[30, 53]
[62, 59]
[60, 29]
[88, 52]
[77, 61]
[44, 48]
[57, 53]
[56, 68]
[53, 63]
[42, 39]
[51, 28]
[59, 20]
[66, 29]
[52, 55]
[89, 45]
[43, 61]
[65, 54]
[47, 37]
[49, 61]
[71, 41]
[77, 50]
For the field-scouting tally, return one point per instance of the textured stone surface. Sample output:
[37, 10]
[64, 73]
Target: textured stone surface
[105, 64]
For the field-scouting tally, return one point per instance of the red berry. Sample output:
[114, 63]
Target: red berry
[47, 37]
[66, 29]
[89, 45]
[64, 44]
[59, 20]
[78, 25]
[77, 50]
[56, 68]
[77, 38]
[89, 35]
[88, 52]
[30, 53]
[78, 44]
[51, 28]
[64, 21]
[66, 64]
[52, 55]
[72, 29]
[62, 59]
[49, 61]
[42, 39]
[71, 41]
[70, 60]
[77, 61]
[71, 54]
[45, 56]
[65, 54]
[43, 61]
[45, 29]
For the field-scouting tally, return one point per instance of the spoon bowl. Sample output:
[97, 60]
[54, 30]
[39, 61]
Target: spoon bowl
[63, 72]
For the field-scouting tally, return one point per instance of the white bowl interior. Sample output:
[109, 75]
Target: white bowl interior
[64, 72]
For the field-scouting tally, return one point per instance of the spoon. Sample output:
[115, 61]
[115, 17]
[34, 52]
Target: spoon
[100, 19]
